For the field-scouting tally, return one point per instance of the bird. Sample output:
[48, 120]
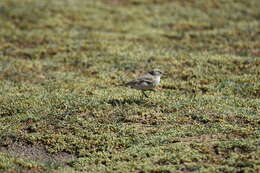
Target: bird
[146, 82]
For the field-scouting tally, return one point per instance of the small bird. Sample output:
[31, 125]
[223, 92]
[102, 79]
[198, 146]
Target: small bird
[147, 82]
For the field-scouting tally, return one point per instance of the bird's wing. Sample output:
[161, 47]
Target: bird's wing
[141, 81]
[146, 80]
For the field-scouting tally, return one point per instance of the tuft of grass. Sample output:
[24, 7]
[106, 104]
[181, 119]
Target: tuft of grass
[62, 108]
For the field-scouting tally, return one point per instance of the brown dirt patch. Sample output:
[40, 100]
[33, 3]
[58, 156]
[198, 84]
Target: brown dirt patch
[36, 153]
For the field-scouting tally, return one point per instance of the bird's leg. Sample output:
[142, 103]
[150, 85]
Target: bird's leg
[145, 94]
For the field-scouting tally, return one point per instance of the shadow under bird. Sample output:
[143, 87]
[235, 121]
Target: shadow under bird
[147, 82]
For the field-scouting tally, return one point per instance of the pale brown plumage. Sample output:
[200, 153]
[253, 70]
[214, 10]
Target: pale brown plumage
[146, 82]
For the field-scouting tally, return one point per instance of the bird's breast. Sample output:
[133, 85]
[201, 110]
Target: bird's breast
[157, 81]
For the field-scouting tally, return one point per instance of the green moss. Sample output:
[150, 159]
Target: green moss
[62, 64]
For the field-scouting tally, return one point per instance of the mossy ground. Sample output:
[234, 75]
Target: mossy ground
[62, 108]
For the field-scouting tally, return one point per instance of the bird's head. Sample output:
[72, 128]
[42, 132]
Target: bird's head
[156, 72]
